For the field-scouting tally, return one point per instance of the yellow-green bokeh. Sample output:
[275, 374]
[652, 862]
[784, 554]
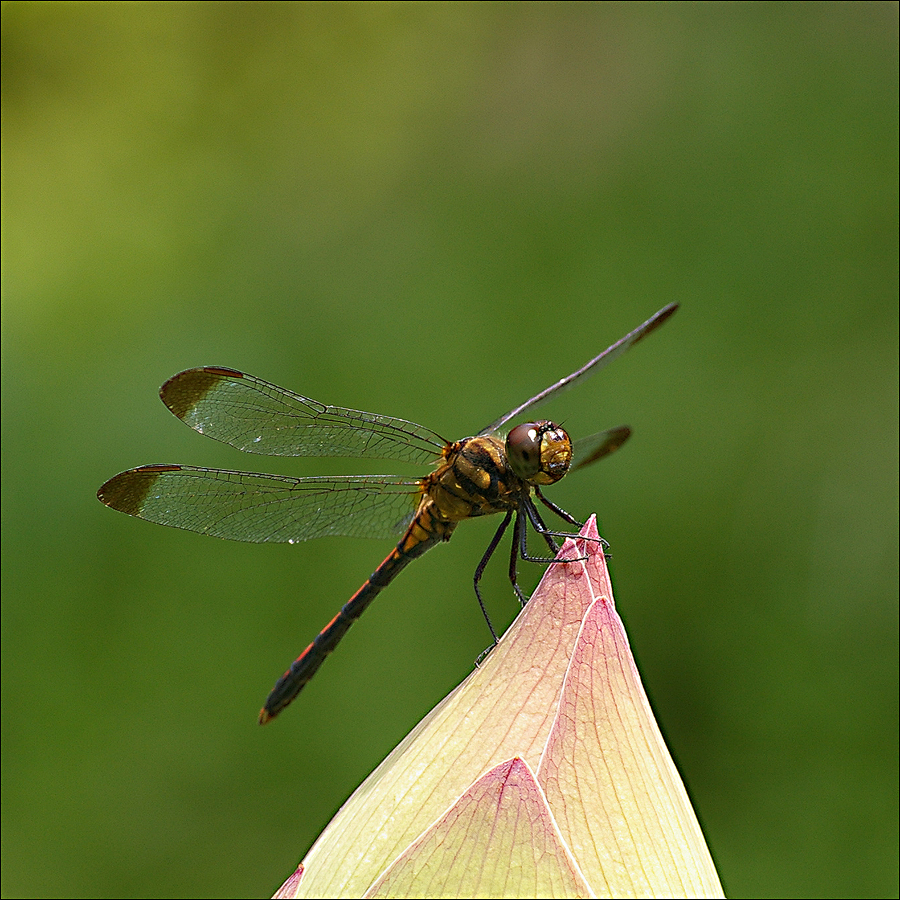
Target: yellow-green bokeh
[432, 210]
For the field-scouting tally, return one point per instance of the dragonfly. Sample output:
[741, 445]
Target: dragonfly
[498, 470]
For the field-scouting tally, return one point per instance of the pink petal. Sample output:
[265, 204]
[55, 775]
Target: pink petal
[609, 778]
[497, 840]
[505, 708]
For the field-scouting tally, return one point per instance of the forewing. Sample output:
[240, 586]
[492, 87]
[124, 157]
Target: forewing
[589, 368]
[240, 506]
[589, 449]
[258, 417]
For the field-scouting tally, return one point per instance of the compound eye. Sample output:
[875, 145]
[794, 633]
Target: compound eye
[523, 449]
[539, 452]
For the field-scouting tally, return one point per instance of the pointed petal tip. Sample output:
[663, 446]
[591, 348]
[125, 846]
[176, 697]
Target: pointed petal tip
[589, 529]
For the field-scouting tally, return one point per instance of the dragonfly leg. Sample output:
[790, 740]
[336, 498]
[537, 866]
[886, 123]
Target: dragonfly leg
[566, 516]
[479, 571]
[498, 536]
[558, 509]
[518, 549]
[538, 524]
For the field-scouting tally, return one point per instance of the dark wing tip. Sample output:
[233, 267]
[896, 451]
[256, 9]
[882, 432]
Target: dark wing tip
[617, 437]
[182, 392]
[608, 442]
[127, 491]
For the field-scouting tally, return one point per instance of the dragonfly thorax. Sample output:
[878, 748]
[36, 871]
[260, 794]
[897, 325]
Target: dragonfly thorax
[539, 452]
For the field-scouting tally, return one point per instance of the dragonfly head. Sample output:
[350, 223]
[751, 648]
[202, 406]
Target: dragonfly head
[539, 452]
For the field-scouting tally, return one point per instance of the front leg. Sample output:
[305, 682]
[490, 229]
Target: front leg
[566, 516]
[558, 509]
[538, 524]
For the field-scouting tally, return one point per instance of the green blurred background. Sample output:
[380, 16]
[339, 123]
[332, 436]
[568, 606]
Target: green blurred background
[433, 210]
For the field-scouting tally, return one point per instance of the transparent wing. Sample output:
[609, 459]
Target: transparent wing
[589, 449]
[589, 368]
[241, 506]
[258, 417]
